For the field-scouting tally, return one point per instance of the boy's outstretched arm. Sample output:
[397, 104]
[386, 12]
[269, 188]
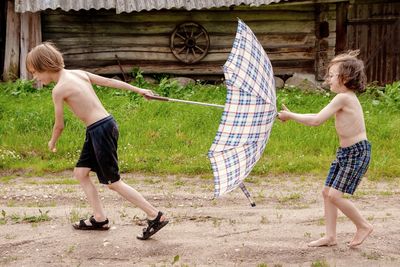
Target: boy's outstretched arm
[335, 105]
[108, 82]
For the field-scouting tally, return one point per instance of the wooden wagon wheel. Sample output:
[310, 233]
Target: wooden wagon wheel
[189, 42]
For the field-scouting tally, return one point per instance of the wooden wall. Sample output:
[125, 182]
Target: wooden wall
[374, 28]
[3, 19]
[91, 39]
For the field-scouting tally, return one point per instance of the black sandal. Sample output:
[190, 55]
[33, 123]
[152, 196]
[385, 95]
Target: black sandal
[95, 225]
[153, 226]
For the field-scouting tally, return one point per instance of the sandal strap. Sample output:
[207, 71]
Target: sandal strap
[96, 223]
[82, 223]
[157, 219]
[152, 223]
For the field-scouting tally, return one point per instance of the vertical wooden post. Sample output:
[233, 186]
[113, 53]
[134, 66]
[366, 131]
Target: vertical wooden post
[31, 35]
[321, 44]
[11, 57]
[341, 27]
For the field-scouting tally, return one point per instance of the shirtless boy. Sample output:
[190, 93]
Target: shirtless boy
[99, 152]
[345, 77]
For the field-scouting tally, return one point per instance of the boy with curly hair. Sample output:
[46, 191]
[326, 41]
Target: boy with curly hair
[345, 77]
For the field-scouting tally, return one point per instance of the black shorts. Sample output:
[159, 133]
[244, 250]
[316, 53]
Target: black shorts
[99, 152]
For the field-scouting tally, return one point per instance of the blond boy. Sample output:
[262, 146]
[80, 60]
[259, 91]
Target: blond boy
[345, 77]
[99, 153]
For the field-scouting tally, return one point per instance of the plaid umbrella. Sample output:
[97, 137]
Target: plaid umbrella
[249, 113]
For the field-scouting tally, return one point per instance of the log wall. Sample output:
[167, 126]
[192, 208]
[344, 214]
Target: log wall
[91, 39]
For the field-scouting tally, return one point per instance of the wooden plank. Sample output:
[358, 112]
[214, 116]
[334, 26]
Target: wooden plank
[280, 68]
[173, 16]
[96, 58]
[11, 58]
[82, 50]
[341, 27]
[267, 40]
[154, 28]
[30, 37]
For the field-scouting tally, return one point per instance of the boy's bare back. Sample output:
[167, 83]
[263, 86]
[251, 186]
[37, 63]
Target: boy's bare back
[75, 88]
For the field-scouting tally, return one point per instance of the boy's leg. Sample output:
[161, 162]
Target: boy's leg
[136, 198]
[330, 222]
[82, 174]
[364, 228]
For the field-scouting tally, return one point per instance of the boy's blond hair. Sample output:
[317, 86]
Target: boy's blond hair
[351, 70]
[45, 57]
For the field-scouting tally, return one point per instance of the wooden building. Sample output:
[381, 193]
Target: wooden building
[194, 38]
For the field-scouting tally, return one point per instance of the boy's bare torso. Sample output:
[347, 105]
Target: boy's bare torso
[349, 121]
[75, 89]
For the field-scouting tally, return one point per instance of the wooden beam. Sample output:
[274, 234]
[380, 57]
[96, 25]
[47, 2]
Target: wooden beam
[341, 27]
[31, 36]
[11, 57]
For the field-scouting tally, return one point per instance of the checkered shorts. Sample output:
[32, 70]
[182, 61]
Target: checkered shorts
[348, 168]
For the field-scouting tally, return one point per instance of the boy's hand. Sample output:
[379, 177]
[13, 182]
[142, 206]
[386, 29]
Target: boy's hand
[52, 146]
[147, 93]
[284, 114]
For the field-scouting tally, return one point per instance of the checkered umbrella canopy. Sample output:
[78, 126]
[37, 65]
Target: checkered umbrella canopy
[249, 113]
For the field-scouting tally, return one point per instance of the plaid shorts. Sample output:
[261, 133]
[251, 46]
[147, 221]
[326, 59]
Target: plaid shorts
[348, 168]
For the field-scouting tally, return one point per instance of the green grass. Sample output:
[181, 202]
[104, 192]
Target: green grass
[171, 138]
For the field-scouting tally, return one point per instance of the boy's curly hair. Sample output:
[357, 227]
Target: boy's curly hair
[351, 70]
[45, 57]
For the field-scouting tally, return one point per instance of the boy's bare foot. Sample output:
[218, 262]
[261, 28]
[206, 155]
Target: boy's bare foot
[361, 235]
[323, 242]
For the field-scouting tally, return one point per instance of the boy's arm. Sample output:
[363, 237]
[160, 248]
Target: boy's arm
[328, 111]
[108, 82]
[59, 119]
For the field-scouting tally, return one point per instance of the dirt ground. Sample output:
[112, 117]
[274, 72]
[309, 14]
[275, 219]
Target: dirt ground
[201, 232]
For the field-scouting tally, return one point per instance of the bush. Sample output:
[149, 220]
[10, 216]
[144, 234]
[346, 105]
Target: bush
[388, 96]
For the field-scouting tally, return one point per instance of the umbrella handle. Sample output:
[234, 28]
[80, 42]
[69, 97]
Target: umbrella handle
[247, 193]
[162, 98]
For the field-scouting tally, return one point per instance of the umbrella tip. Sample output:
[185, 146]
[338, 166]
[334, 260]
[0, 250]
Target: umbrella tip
[253, 204]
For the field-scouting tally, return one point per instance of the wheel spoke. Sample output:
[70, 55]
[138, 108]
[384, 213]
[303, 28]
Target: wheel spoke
[181, 49]
[198, 36]
[191, 34]
[180, 36]
[199, 48]
[186, 34]
[193, 52]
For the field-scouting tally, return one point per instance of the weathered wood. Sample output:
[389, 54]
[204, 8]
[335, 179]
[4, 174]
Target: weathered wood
[173, 16]
[267, 40]
[31, 35]
[341, 27]
[374, 29]
[167, 28]
[322, 47]
[93, 38]
[280, 68]
[11, 59]
[104, 58]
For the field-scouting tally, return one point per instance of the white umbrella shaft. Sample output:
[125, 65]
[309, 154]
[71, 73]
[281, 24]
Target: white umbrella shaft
[162, 98]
